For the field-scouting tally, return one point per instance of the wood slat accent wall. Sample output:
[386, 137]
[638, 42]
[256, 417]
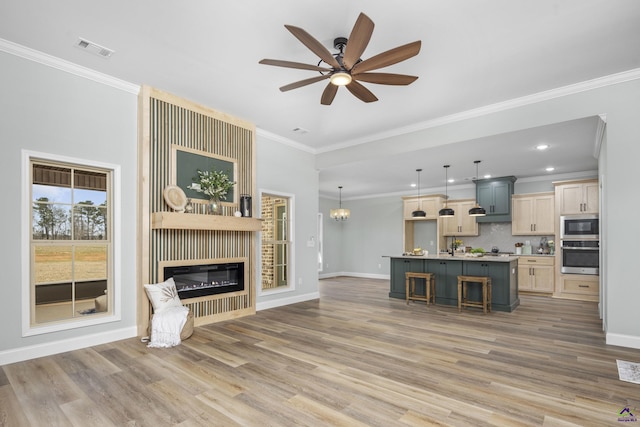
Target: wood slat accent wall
[166, 122]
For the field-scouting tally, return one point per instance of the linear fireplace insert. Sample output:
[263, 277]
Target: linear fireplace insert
[206, 279]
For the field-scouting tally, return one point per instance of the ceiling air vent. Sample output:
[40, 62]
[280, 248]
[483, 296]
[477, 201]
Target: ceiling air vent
[94, 48]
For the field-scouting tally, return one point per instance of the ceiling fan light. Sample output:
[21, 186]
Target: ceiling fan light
[340, 78]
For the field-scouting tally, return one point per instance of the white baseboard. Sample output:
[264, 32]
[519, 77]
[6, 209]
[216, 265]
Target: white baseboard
[286, 301]
[47, 349]
[351, 274]
[629, 341]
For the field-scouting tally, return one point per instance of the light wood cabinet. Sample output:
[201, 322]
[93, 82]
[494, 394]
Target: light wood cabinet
[430, 204]
[578, 197]
[461, 224]
[536, 274]
[533, 214]
[579, 286]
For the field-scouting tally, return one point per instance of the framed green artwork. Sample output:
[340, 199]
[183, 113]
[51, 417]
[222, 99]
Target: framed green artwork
[187, 162]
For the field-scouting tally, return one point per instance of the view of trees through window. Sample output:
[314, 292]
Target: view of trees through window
[70, 241]
[84, 221]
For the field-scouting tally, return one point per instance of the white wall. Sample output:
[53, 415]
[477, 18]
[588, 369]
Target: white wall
[51, 111]
[332, 253]
[285, 169]
[356, 247]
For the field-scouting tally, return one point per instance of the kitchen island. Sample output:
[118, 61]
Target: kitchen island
[503, 271]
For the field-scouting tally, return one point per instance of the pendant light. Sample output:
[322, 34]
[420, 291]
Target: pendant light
[419, 212]
[477, 210]
[446, 211]
[340, 214]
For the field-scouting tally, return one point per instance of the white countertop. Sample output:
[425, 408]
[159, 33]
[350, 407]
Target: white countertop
[460, 257]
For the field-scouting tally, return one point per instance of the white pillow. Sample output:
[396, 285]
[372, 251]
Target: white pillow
[163, 295]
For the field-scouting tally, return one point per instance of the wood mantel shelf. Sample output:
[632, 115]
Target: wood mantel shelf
[184, 221]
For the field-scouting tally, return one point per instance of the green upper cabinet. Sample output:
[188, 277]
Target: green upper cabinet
[494, 195]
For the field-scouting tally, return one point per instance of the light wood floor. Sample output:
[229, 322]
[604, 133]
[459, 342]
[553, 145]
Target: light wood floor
[354, 357]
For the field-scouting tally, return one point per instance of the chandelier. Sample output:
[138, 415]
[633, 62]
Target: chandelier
[340, 214]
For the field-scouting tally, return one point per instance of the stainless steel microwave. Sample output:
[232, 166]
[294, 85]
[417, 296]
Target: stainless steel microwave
[579, 227]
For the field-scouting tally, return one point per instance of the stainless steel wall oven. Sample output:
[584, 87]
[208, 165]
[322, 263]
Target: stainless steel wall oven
[580, 257]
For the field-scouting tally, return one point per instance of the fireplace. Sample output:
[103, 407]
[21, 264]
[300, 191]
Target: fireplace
[206, 279]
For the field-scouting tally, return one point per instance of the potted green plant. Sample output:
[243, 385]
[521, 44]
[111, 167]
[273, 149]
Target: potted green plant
[216, 185]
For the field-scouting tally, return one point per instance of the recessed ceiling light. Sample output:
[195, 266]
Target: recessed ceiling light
[414, 185]
[550, 169]
[542, 147]
[451, 180]
[487, 176]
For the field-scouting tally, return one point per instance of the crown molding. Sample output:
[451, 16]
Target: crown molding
[572, 89]
[285, 141]
[66, 66]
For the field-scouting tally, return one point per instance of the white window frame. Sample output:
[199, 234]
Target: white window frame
[26, 231]
[291, 267]
[320, 242]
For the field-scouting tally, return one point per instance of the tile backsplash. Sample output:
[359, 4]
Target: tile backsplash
[499, 234]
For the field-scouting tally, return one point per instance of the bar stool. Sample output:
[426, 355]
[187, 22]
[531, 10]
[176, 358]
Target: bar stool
[429, 285]
[485, 282]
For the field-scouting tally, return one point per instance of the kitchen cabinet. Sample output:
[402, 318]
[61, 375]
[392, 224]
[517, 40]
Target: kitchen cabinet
[579, 286]
[504, 294]
[461, 224]
[577, 197]
[430, 204]
[398, 268]
[494, 195]
[533, 214]
[446, 274]
[505, 274]
[536, 274]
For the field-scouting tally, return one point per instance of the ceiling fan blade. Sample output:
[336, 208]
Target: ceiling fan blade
[358, 40]
[385, 78]
[328, 94]
[314, 45]
[390, 57]
[361, 92]
[290, 64]
[304, 82]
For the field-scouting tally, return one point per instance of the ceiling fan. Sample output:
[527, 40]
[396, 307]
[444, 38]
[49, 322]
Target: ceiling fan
[346, 68]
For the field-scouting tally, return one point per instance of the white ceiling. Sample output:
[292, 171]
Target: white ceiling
[474, 53]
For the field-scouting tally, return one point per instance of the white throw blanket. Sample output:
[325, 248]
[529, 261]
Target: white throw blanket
[167, 325]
